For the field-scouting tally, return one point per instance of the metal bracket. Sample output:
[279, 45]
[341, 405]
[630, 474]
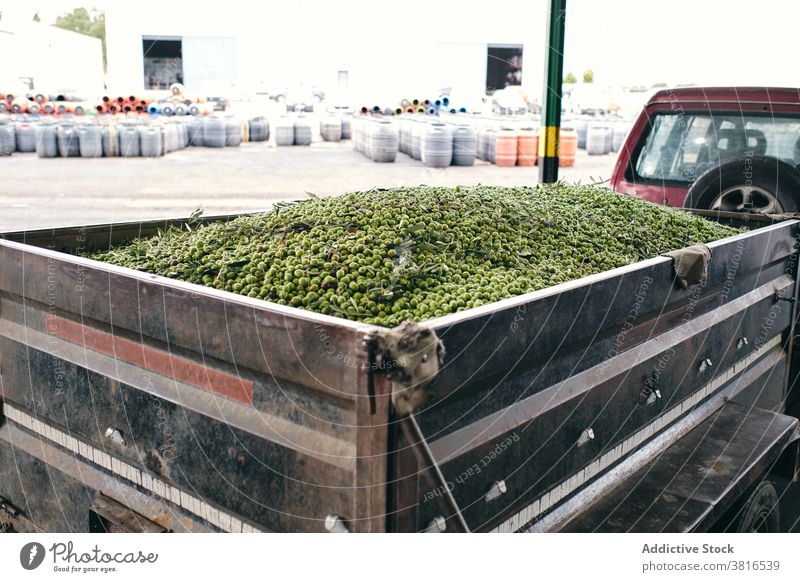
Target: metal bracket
[410, 356]
[8, 507]
[416, 440]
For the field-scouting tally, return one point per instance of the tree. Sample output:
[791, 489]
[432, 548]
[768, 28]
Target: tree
[84, 22]
[570, 79]
[659, 85]
[36, 17]
[588, 76]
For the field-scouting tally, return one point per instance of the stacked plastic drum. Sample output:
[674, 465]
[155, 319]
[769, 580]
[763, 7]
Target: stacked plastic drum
[465, 145]
[25, 136]
[8, 140]
[527, 146]
[129, 141]
[418, 130]
[404, 132]
[598, 139]
[284, 131]
[68, 141]
[302, 131]
[580, 126]
[46, 144]
[258, 128]
[90, 141]
[196, 132]
[505, 153]
[152, 140]
[618, 134]
[383, 140]
[436, 150]
[347, 128]
[110, 140]
[331, 128]
[233, 132]
[359, 131]
[214, 132]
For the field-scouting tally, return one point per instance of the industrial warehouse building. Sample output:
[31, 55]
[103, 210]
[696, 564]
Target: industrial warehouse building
[219, 52]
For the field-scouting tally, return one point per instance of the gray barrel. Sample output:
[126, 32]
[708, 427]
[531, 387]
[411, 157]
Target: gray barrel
[358, 134]
[597, 139]
[258, 129]
[331, 129]
[167, 109]
[68, 141]
[180, 109]
[214, 132]
[619, 133]
[404, 131]
[25, 136]
[90, 141]
[173, 137]
[302, 131]
[347, 128]
[152, 141]
[233, 132]
[110, 139]
[581, 125]
[383, 141]
[437, 146]
[417, 133]
[8, 140]
[129, 146]
[491, 142]
[284, 132]
[465, 145]
[196, 131]
[46, 145]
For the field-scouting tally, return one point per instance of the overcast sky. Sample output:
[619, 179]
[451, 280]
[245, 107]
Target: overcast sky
[625, 42]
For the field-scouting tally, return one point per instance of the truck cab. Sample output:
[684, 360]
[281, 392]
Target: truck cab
[728, 149]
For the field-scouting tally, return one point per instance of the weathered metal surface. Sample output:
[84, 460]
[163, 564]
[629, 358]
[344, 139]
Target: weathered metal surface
[272, 418]
[693, 483]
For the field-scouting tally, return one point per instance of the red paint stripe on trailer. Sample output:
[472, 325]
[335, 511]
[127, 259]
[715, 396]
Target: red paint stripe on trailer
[154, 360]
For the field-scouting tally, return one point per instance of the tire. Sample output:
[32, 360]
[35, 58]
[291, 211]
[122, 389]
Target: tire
[760, 513]
[772, 187]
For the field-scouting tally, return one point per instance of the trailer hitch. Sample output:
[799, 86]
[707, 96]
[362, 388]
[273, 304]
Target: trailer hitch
[410, 356]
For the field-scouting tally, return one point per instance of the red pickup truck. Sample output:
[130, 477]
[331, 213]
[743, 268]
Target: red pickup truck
[730, 149]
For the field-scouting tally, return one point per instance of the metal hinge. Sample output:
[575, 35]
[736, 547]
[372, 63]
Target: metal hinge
[8, 507]
[410, 356]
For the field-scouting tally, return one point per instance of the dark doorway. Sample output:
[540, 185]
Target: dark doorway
[503, 66]
[163, 63]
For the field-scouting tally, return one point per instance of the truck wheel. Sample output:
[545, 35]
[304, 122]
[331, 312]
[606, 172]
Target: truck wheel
[760, 513]
[759, 184]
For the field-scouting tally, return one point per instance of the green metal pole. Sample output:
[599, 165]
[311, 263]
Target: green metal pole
[553, 75]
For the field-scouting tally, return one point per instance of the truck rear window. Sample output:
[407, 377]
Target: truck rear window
[681, 146]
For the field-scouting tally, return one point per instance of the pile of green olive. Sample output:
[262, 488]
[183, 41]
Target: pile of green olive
[387, 256]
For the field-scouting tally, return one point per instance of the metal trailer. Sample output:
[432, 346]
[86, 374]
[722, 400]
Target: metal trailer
[617, 402]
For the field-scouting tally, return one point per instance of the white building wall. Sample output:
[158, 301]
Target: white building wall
[59, 61]
[388, 48]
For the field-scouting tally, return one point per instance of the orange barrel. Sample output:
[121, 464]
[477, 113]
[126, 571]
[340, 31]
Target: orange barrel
[505, 149]
[527, 147]
[568, 144]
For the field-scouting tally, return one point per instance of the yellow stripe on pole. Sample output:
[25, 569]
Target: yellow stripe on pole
[548, 142]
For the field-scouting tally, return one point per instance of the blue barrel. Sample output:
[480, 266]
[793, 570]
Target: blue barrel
[598, 139]
[90, 141]
[196, 131]
[151, 138]
[465, 145]
[129, 146]
[25, 136]
[302, 131]
[68, 141]
[46, 145]
[437, 146]
[258, 129]
[581, 125]
[233, 132]
[347, 128]
[8, 140]
[284, 132]
[214, 132]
